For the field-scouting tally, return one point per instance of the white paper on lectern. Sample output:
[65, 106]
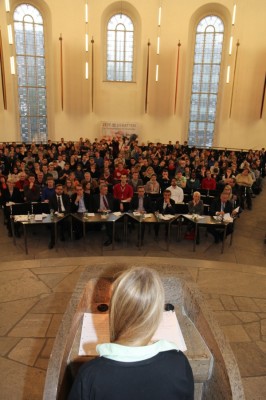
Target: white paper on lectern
[95, 330]
[169, 329]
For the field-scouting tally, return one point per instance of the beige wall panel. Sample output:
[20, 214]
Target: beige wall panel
[125, 101]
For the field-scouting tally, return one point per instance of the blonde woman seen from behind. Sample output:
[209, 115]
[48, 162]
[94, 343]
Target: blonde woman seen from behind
[131, 366]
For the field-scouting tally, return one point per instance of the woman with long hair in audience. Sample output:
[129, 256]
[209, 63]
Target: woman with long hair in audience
[69, 187]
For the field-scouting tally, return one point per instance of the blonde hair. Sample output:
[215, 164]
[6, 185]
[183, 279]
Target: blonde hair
[136, 306]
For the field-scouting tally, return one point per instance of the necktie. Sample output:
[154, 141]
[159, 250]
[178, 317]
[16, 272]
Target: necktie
[59, 204]
[105, 202]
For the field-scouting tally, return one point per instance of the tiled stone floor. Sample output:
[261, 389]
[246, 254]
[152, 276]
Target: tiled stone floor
[35, 289]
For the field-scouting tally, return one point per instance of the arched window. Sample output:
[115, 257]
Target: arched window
[120, 49]
[205, 81]
[30, 59]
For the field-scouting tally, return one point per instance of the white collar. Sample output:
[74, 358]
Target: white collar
[119, 352]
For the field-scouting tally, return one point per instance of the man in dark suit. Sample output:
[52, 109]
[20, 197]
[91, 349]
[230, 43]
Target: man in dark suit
[142, 204]
[81, 202]
[164, 206]
[13, 195]
[60, 203]
[104, 201]
[219, 207]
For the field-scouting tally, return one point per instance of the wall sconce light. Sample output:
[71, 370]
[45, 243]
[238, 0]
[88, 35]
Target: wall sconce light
[230, 45]
[7, 5]
[12, 65]
[10, 34]
[86, 13]
[228, 74]
[159, 16]
[157, 73]
[158, 45]
[86, 70]
[234, 15]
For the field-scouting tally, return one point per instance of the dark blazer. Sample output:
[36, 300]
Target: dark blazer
[53, 205]
[16, 197]
[168, 209]
[88, 201]
[112, 202]
[216, 207]
[198, 209]
[147, 204]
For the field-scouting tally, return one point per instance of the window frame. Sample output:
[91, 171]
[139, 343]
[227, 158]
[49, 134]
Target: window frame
[40, 135]
[133, 54]
[200, 18]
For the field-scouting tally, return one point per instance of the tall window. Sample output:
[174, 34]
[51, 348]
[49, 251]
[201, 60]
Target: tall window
[30, 58]
[120, 49]
[205, 82]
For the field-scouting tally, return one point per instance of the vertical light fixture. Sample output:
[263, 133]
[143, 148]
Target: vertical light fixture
[7, 4]
[12, 65]
[86, 70]
[10, 34]
[158, 45]
[230, 45]
[157, 73]
[158, 41]
[234, 15]
[228, 74]
[86, 19]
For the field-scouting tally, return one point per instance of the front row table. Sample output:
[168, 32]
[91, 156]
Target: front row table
[206, 220]
[38, 219]
[150, 218]
[112, 218]
[97, 218]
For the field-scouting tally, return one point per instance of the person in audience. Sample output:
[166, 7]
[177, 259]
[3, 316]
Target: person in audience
[52, 171]
[177, 193]
[10, 194]
[135, 181]
[164, 180]
[48, 191]
[64, 173]
[69, 187]
[123, 192]
[181, 180]
[193, 182]
[80, 203]
[195, 206]
[245, 182]
[152, 186]
[31, 190]
[218, 208]
[59, 202]
[22, 182]
[132, 366]
[105, 202]
[119, 171]
[79, 173]
[208, 183]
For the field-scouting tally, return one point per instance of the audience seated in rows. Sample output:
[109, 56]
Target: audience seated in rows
[31, 173]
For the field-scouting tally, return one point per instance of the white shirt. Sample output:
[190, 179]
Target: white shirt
[177, 194]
